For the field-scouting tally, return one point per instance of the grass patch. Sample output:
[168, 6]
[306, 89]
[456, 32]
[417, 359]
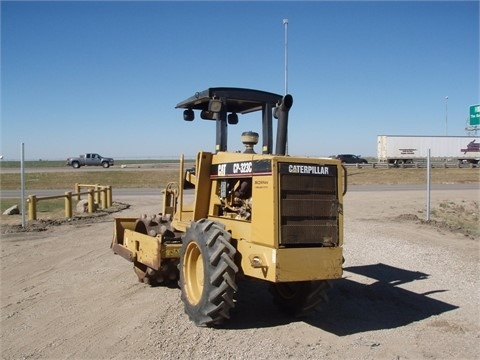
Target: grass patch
[7, 203]
[9, 164]
[393, 176]
[67, 180]
[462, 216]
[42, 205]
[46, 209]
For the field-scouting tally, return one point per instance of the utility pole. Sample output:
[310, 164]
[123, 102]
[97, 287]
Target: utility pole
[22, 182]
[446, 115]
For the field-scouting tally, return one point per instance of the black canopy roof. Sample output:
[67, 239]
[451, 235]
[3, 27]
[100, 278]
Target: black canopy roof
[238, 100]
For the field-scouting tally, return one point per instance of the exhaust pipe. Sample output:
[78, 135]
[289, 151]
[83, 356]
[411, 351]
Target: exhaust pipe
[281, 113]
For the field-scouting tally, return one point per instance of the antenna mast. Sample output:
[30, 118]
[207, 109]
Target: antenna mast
[285, 23]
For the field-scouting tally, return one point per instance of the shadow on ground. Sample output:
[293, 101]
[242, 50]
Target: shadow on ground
[352, 308]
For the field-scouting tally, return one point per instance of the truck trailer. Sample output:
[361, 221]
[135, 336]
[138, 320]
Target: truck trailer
[408, 149]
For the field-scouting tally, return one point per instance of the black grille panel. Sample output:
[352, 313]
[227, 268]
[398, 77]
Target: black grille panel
[308, 210]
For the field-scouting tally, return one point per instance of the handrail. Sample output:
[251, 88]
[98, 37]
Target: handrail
[344, 180]
[96, 187]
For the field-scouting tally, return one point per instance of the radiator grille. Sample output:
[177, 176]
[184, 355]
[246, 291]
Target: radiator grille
[308, 210]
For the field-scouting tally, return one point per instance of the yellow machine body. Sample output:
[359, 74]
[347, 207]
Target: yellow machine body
[265, 215]
[258, 236]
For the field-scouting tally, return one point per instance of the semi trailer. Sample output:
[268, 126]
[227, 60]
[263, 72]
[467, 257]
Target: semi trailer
[408, 149]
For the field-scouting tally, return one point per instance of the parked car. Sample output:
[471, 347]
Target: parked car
[351, 159]
[90, 159]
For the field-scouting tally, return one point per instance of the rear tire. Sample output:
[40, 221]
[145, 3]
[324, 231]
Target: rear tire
[207, 273]
[299, 298]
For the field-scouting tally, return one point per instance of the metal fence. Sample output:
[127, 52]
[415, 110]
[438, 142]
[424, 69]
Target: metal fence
[416, 165]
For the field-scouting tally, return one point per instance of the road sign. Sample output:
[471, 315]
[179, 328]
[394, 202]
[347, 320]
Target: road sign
[474, 115]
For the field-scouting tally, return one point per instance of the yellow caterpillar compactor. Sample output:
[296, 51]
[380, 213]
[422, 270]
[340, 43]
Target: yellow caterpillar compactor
[262, 215]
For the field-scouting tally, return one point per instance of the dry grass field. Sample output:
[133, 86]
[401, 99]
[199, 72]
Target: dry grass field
[371, 176]
[68, 179]
[159, 177]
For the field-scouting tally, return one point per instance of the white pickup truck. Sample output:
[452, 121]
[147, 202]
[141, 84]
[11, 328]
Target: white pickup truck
[90, 159]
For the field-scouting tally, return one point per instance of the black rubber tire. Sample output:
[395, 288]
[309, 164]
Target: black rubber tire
[105, 165]
[299, 298]
[207, 273]
[75, 164]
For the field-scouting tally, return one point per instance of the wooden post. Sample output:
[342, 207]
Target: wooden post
[109, 196]
[68, 204]
[97, 193]
[32, 207]
[77, 190]
[91, 201]
[104, 197]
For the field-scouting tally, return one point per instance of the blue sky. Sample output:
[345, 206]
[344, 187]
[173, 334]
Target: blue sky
[105, 76]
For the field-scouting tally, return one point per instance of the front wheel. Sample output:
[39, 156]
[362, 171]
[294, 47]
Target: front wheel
[75, 164]
[299, 298]
[207, 273]
[105, 165]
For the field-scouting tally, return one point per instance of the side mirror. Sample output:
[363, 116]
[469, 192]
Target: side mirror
[188, 115]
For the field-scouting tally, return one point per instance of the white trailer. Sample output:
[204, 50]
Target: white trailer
[405, 149]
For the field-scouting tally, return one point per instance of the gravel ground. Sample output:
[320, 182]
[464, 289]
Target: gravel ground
[409, 291]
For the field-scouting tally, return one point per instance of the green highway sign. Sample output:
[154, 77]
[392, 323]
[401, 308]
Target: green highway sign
[474, 115]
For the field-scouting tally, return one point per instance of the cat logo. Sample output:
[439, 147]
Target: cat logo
[222, 169]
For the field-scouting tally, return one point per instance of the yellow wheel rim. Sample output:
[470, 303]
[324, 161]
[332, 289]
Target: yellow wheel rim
[193, 273]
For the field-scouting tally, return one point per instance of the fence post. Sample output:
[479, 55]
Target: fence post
[97, 194]
[68, 204]
[104, 197]
[91, 201]
[77, 190]
[109, 196]
[428, 183]
[32, 207]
